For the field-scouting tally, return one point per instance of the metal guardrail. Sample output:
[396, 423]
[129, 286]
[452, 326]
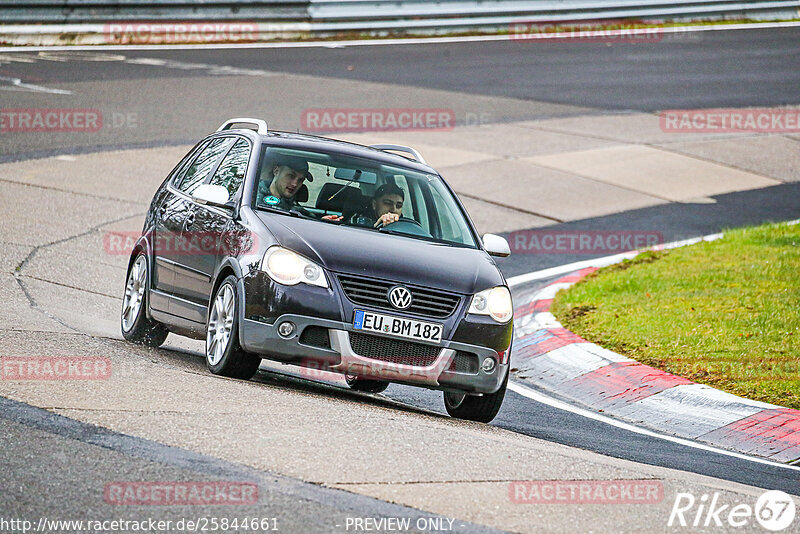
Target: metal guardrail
[99, 11]
[461, 15]
[285, 18]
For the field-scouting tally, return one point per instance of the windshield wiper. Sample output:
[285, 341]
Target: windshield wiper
[297, 213]
[386, 230]
[273, 209]
[294, 212]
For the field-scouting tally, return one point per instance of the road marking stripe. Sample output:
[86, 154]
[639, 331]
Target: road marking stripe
[605, 261]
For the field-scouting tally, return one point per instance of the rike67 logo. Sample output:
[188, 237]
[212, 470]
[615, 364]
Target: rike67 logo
[774, 511]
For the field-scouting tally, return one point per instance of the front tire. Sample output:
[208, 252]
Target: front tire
[135, 325]
[224, 355]
[473, 408]
[367, 386]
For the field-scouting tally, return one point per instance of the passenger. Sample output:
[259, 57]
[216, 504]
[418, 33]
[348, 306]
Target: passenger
[387, 208]
[280, 189]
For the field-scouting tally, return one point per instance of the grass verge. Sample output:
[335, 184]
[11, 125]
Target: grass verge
[724, 313]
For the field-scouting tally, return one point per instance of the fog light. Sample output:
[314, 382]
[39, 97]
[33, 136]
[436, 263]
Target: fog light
[488, 365]
[286, 329]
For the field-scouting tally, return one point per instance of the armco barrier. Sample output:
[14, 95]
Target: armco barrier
[85, 21]
[101, 11]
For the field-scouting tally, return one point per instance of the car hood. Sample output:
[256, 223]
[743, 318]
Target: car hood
[363, 252]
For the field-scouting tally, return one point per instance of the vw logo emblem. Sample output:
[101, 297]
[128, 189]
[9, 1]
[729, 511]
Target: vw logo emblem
[400, 297]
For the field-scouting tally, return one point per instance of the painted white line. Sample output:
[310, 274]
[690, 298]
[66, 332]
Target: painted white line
[16, 84]
[529, 393]
[383, 42]
[550, 291]
[601, 262]
[568, 268]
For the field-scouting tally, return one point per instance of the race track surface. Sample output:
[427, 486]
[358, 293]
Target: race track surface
[526, 112]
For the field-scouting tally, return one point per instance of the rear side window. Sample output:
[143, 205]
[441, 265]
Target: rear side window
[180, 169]
[232, 169]
[196, 173]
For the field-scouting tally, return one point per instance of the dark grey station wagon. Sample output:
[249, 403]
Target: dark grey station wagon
[329, 255]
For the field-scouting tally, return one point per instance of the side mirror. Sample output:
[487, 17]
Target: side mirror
[496, 245]
[213, 195]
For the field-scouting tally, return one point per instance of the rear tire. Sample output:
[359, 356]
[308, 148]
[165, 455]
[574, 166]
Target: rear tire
[135, 325]
[224, 355]
[367, 386]
[475, 408]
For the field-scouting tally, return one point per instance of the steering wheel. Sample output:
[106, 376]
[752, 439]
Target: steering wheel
[400, 220]
[406, 226]
[408, 220]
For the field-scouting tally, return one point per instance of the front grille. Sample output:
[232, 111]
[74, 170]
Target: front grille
[464, 362]
[429, 302]
[393, 350]
[315, 336]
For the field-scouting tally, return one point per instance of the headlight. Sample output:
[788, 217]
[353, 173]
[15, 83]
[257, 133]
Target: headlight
[495, 302]
[289, 268]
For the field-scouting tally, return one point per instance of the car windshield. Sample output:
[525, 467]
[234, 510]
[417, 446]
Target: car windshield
[336, 189]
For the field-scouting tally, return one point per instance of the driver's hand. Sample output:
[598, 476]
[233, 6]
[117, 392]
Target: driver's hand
[386, 219]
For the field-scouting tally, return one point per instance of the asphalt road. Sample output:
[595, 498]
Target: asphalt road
[175, 98]
[58, 469]
[692, 70]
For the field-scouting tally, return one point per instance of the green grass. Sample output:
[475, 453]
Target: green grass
[724, 313]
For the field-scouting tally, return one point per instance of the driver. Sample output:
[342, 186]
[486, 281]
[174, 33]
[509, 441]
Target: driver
[288, 175]
[387, 208]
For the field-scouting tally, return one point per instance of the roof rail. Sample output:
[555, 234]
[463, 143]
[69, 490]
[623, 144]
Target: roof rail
[402, 148]
[260, 124]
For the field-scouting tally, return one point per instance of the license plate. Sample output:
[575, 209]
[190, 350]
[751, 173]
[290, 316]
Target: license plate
[397, 326]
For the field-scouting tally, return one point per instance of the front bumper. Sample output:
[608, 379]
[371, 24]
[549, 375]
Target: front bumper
[337, 355]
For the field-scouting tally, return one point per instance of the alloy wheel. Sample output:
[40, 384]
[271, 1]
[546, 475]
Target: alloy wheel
[220, 324]
[134, 293]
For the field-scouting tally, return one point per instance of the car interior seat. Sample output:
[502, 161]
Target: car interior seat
[338, 198]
